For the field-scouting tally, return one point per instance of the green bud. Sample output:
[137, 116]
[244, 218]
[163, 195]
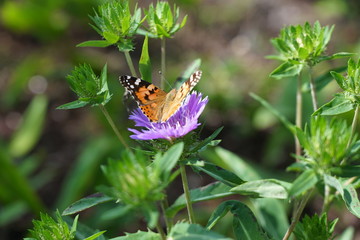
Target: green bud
[134, 181]
[325, 143]
[47, 228]
[162, 21]
[116, 24]
[315, 227]
[303, 44]
[91, 89]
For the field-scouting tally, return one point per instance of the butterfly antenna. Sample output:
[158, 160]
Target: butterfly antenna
[167, 82]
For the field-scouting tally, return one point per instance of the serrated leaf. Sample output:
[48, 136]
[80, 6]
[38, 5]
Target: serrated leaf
[245, 224]
[348, 194]
[304, 182]
[29, 132]
[336, 106]
[186, 231]
[265, 188]
[145, 63]
[287, 69]
[86, 203]
[211, 191]
[94, 43]
[220, 174]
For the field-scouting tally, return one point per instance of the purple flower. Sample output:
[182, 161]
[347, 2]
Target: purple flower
[178, 125]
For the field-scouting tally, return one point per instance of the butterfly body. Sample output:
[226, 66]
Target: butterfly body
[156, 104]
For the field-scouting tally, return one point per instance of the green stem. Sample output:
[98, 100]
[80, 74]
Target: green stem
[298, 117]
[168, 221]
[313, 91]
[161, 231]
[297, 214]
[130, 63]
[163, 62]
[327, 199]
[112, 124]
[353, 125]
[187, 193]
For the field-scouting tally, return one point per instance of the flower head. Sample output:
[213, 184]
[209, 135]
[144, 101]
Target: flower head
[178, 125]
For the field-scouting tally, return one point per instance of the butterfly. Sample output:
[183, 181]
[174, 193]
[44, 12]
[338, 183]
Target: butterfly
[155, 103]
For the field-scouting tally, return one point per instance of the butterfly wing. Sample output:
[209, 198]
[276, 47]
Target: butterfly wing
[149, 97]
[175, 97]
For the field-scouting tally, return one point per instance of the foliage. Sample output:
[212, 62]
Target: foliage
[138, 176]
[315, 227]
[48, 228]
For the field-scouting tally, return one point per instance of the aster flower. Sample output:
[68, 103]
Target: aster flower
[178, 125]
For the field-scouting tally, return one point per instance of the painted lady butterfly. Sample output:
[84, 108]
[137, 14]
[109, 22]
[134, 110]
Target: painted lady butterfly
[156, 104]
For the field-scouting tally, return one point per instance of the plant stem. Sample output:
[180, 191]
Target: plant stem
[353, 125]
[187, 193]
[327, 199]
[163, 62]
[313, 91]
[298, 117]
[112, 124]
[297, 214]
[130, 63]
[161, 231]
[168, 221]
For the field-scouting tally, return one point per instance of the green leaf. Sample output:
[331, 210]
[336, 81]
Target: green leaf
[338, 105]
[186, 231]
[220, 174]
[29, 132]
[265, 188]
[81, 174]
[209, 192]
[82, 230]
[272, 215]
[206, 141]
[86, 203]
[244, 223]
[231, 162]
[287, 69]
[145, 63]
[139, 235]
[340, 79]
[348, 234]
[346, 171]
[348, 194]
[95, 43]
[73, 105]
[335, 56]
[304, 182]
[282, 118]
[95, 235]
[167, 162]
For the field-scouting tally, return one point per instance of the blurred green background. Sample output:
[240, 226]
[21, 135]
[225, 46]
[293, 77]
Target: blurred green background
[50, 158]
